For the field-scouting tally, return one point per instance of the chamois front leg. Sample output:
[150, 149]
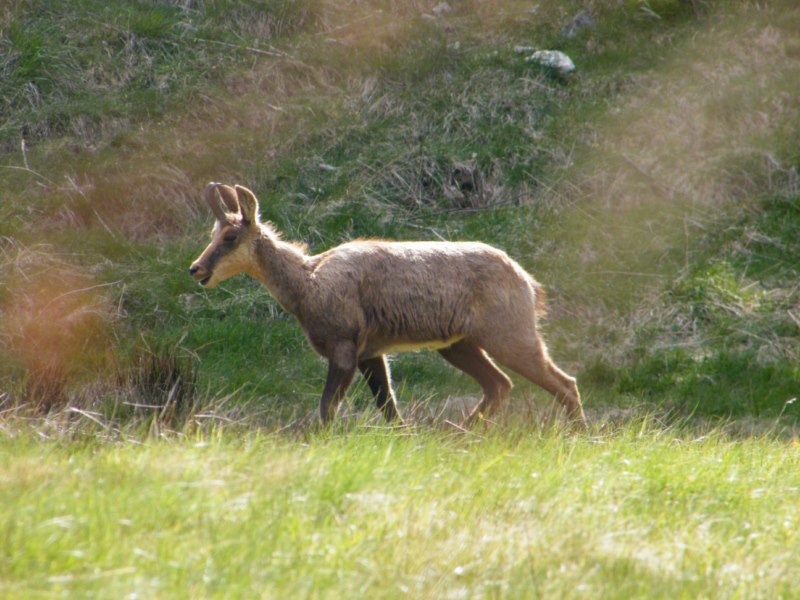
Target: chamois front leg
[341, 368]
[376, 372]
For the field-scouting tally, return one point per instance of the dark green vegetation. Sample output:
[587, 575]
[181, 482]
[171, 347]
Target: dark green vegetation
[655, 193]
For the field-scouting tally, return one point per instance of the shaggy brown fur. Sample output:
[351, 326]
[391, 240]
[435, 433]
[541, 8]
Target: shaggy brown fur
[364, 299]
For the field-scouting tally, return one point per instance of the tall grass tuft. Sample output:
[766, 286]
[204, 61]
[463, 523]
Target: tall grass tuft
[160, 385]
[44, 389]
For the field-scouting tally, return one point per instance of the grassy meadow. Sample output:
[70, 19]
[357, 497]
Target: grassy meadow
[642, 511]
[159, 440]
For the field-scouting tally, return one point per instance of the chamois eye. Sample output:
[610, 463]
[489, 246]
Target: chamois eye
[231, 237]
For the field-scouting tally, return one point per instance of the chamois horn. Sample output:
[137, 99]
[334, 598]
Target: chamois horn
[214, 201]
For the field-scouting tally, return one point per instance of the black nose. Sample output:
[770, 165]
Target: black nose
[192, 270]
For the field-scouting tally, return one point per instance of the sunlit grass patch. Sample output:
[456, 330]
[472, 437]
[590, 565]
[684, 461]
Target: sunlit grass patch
[642, 510]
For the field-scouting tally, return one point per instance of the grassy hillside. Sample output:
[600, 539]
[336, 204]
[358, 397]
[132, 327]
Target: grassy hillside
[158, 439]
[654, 193]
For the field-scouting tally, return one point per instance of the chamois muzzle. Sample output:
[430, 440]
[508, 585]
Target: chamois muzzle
[200, 274]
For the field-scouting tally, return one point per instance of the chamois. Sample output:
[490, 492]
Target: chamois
[367, 298]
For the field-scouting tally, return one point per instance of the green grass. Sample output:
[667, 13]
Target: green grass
[642, 511]
[92, 69]
[726, 342]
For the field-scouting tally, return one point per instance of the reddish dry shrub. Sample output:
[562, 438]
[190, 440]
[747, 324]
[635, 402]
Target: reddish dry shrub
[55, 324]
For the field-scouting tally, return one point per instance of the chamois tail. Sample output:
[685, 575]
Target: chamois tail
[541, 299]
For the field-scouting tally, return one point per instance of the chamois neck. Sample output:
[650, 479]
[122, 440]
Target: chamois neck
[282, 268]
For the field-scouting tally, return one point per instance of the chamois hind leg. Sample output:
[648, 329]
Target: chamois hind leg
[473, 361]
[341, 368]
[376, 372]
[525, 353]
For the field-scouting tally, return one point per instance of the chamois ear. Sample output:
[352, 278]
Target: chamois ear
[228, 195]
[248, 204]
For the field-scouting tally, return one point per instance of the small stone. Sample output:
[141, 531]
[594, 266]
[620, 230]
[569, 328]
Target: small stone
[553, 59]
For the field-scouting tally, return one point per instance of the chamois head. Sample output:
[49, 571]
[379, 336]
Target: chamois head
[231, 247]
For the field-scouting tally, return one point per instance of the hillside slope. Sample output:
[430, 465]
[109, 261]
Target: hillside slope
[655, 192]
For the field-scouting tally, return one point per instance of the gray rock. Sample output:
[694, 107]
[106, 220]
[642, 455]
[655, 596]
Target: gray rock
[553, 59]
